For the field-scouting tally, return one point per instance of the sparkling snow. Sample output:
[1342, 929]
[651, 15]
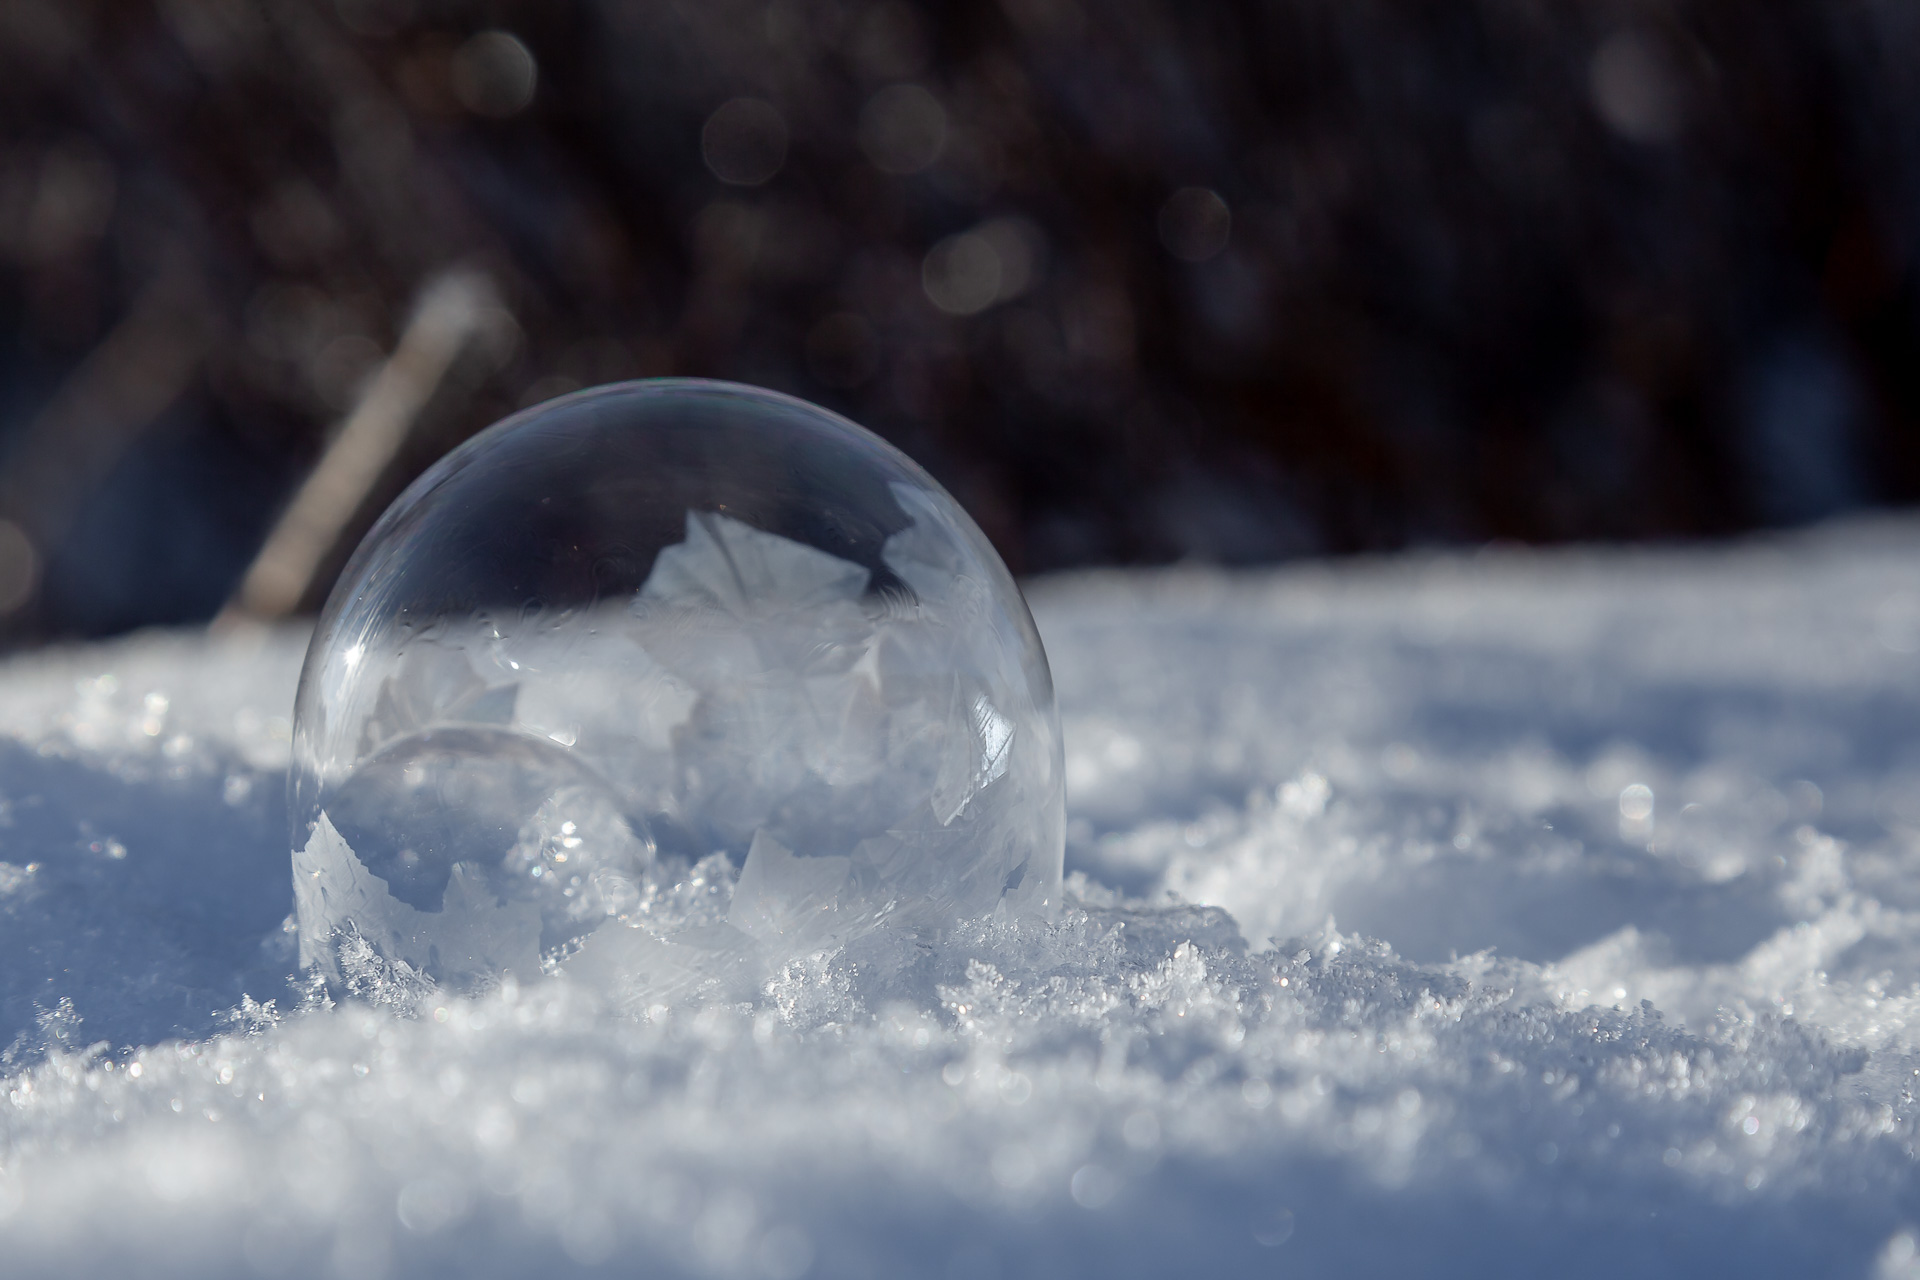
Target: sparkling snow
[1513, 914]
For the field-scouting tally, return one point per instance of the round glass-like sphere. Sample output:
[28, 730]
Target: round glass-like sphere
[660, 684]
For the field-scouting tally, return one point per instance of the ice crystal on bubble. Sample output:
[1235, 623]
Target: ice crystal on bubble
[663, 685]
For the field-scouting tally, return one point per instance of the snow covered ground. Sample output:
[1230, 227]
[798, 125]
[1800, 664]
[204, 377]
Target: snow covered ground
[1512, 914]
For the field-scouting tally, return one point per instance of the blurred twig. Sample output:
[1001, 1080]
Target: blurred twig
[454, 311]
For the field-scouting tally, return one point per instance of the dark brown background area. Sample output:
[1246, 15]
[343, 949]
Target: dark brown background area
[1275, 279]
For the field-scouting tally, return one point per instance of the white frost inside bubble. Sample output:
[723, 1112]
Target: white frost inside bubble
[472, 932]
[751, 697]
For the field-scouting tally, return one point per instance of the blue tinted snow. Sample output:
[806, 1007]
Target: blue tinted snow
[1517, 914]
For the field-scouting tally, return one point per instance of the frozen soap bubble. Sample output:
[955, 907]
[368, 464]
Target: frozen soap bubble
[660, 684]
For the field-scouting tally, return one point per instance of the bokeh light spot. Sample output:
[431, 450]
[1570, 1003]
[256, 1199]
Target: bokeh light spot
[744, 142]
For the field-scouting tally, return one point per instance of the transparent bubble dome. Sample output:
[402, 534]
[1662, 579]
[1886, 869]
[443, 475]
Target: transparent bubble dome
[659, 685]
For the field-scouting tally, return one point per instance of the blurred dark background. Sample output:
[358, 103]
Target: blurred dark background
[1139, 280]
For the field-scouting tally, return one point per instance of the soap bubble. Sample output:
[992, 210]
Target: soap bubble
[661, 684]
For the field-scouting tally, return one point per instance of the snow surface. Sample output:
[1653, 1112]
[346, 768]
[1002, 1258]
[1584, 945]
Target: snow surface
[1623, 850]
